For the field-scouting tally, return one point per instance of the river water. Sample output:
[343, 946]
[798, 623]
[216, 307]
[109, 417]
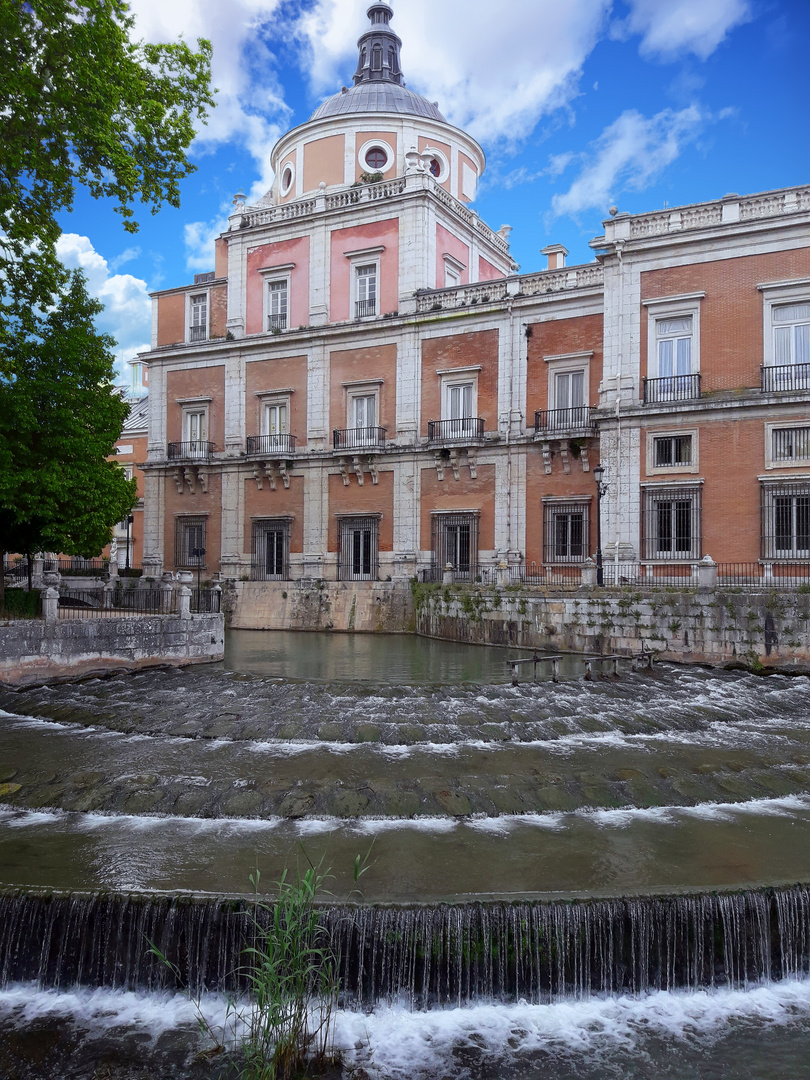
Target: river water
[683, 780]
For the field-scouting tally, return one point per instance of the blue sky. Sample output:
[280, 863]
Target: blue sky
[579, 104]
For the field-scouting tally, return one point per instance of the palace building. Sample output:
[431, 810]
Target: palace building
[365, 387]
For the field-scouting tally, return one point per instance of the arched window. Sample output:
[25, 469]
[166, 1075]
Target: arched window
[377, 58]
[392, 60]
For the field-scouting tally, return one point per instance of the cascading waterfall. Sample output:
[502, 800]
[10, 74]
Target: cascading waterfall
[443, 954]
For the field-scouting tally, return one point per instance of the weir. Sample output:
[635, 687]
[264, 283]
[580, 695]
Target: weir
[428, 955]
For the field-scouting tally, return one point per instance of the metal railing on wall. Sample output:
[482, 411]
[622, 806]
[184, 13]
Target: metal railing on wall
[101, 603]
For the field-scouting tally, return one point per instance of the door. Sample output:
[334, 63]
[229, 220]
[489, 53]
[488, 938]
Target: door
[275, 427]
[460, 411]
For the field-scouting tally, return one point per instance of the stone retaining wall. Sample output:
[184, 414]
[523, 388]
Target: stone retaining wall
[382, 607]
[34, 651]
[716, 626]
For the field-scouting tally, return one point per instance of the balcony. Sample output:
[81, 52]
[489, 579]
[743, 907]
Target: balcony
[276, 323]
[784, 378]
[465, 429]
[563, 422]
[270, 445]
[364, 308]
[196, 450]
[197, 333]
[671, 388]
[359, 438]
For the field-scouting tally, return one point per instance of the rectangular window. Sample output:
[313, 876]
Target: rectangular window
[791, 334]
[366, 303]
[275, 422]
[198, 317]
[189, 543]
[277, 304]
[569, 390]
[455, 543]
[786, 521]
[672, 451]
[270, 551]
[195, 435]
[566, 533]
[672, 523]
[452, 277]
[358, 555]
[674, 346]
[790, 444]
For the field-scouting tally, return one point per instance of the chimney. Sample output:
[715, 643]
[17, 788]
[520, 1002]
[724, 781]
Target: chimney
[556, 256]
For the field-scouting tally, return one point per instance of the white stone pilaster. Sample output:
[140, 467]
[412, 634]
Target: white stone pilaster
[233, 521]
[156, 430]
[318, 433]
[153, 523]
[409, 370]
[237, 285]
[234, 403]
[319, 273]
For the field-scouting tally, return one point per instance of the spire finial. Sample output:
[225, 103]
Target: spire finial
[379, 48]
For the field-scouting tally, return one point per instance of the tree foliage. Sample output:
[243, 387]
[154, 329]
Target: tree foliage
[81, 102]
[60, 416]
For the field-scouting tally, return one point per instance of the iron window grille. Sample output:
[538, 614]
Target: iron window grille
[672, 524]
[566, 536]
[785, 514]
[270, 551]
[672, 451]
[455, 543]
[784, 378]
[189, 536]
[790, 444]
[358, 549]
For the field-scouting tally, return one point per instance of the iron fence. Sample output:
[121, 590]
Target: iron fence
[359, 549]
[764, 575]
[783, 378]
[270, 444]
[194, 450]
[466, 427]
[277, 322]
[77, 567]
[671, 388]
[270, 551]
[107, 603]
[565, 421]
[564, 576]
[358, 438]
[364, 308]
[206, 601]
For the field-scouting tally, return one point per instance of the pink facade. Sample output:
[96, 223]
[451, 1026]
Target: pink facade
[288, 258]
[378, 240]
[448, 245]
[488, 272]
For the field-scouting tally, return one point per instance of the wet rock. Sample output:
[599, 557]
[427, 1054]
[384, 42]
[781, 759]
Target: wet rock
[349, 804]
[495, 733]
[296, 804]
[86, 802]
[290, 732]
[143, 802]
[454, 803]
[142, 780]
[401, 804]
[242, 804]
[193, 803]
[9, 789]
[367, 733]
[410, 734]
[87, 779]
[507, 800]
[7, 774]
[555, 798]
[331, 732]
[628, 774]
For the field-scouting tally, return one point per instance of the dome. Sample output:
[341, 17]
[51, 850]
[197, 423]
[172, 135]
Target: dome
[387, 97]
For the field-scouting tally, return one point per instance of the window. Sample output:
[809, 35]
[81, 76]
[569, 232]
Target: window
[270, 549]
[277, 304]
[376, 156]
[436, 163]
[672, 451]
[275, 425]
[189, 543]
[287, 178]
[358, 554]
[791, 334]
[455, 543]
[673, 348]
[198, 317]
[452, 278]
[786, 521]
[366, 290]
[569, 390]
[672, 523]
[376, 58]
[790, 445]
[435, 167]
[566, 532]
[195, 434]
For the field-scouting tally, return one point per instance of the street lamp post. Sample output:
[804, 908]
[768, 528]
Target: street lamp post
[130, 520]
[199, 555]
[601, 488]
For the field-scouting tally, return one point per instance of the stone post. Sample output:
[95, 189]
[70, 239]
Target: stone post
[107, 599]
[448, 577]
[707, 573]
[50, 604]
[588, 570]
[166, 594]
[216, 598]
[502, 575]
[184, 602]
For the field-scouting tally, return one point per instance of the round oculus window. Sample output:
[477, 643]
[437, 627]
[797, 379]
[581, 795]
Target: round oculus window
[435, 167]
[376, 159]
[287, 178]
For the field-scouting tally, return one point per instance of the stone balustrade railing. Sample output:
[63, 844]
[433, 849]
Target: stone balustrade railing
[486, 292]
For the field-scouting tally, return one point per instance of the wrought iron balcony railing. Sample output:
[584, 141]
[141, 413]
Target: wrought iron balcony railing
[277, 322]
[364, 308]
[270, 444]
[785, 377]
[467, 429]
[671, 388]
[578, 420]
[196, 450]
[197, 333]
[359, 438]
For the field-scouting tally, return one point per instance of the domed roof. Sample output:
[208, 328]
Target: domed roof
[378, 97]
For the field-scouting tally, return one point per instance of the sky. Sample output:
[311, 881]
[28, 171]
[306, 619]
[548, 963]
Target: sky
[580, 105]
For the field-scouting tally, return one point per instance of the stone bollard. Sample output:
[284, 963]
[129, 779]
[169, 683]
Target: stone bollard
[707, 573]
[184, 602]
[502, 575]
[448, 577]
[166, 591]
[588, 571]
[50, 604]
[216, 599]
[107, 599]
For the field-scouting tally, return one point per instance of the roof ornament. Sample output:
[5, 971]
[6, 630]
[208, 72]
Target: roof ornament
[379, 59]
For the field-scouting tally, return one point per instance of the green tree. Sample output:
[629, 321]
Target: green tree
[81, 102]
[60, 416]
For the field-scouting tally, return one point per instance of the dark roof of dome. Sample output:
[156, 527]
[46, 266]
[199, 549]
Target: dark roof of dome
[378, 97]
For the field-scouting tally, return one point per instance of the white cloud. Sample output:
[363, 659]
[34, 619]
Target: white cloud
[628, 156]
[199, 237]
[672, 27]
[494, 70]
[127, 311]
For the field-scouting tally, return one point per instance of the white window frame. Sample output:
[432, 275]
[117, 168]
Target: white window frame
[689, 490]
[376, 144]
[459, 377]
[434, 152]
[196, 408]
[565, 506]
[671, 433]
[286, 189]
[661, 308]
[371, 388]
[773, 490]
[190, 297]
[779, 294]
[565, 364]
[271, 274]
[784, 425]
[452, 269]
[357, 263]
